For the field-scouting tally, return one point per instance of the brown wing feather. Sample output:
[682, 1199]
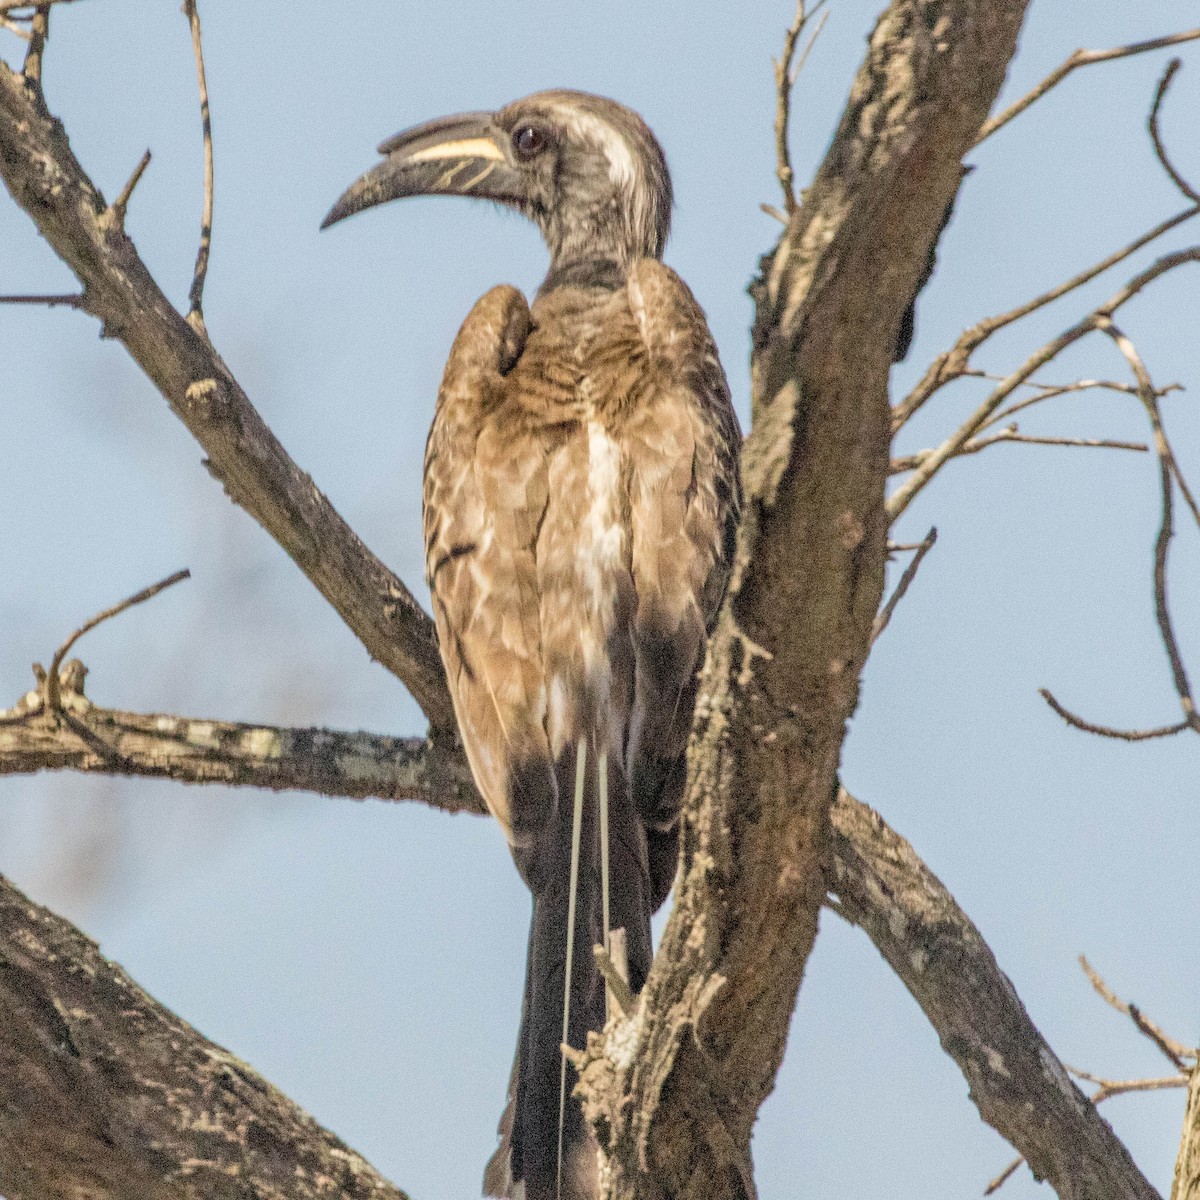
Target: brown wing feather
[485, 489]
[685, 500]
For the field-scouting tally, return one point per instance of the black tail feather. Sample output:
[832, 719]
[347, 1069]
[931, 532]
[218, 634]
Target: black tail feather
[531, 1153]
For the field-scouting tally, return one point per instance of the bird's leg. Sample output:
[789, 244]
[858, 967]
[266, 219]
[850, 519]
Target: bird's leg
[576, 831]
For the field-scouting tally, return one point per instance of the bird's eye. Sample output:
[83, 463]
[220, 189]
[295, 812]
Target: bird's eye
[528, 141]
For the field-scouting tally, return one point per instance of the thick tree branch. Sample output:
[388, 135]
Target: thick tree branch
[103, 1092]
[1186, 1185]
[876, 879]
[47, 181]
[84, 737]
[782, 672]
[1019, 1086]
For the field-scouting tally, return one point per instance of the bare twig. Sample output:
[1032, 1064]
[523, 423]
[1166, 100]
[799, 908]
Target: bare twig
[14, 6]
[53, 699]
[1168, 469]
[39, 31]
[1176, 1052]
[1052, 392]
[785, 79]
[910, 462]
[14, 28]
[954, 363]
[72, 300]
[1159, 149]
[122, 201]
[1185, 489]
[196, 295]
[618, 986]
[1124, 735]
[1080, 58]
[1003, 1177]
[904, 495]
[910, 573]
[1119, 1087]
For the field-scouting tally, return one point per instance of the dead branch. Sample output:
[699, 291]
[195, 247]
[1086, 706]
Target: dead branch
[1020, 1088]
[196, 294]
[1095, 320]
[70, 300]
[107, 1093]
[121, 203]
[47, 181]
[785, 80]
[1160, 149]
[910, 573]
[1186, 1185]
[207, 750]
[1106, 1091]
[1080, 58]
[1176, 1052]
[52, 701]
[954, 363]
[39, 31]
[1051, 392]
[1170, 476]
[910, 462]
[1168, 470]
[18, 6]
[1123, 735]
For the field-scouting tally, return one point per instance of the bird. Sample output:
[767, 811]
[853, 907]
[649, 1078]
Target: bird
[581, 496]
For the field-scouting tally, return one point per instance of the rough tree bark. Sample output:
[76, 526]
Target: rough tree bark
[783, 666]
[883, 887]
[108, 1094]
[676, 1087]
[1186, 1185]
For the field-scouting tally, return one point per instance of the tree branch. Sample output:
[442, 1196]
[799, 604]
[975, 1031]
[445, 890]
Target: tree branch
[934, 460]
[106, 1093]
[1018, 1084]
[1080, 58]
[47, 181]
[782, 671]
[85, 737]
[1186, 1185]
[876, 879]
[954, 363]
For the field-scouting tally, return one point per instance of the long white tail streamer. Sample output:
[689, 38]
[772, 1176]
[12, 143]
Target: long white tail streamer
[602, 787]
[576, 831]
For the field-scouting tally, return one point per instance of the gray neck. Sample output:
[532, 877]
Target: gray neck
[604, 273]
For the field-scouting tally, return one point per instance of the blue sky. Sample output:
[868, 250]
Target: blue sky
[368, 957]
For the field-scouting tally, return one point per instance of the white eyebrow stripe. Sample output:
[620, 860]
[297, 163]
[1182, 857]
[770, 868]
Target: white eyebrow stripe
[464, 148]
[622, 169]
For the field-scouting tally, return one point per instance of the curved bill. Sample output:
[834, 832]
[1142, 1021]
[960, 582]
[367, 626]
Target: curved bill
[465, 155]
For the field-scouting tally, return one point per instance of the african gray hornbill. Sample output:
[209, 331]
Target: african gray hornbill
[581, 496]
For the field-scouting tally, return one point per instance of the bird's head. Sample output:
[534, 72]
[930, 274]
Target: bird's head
[586, 169]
